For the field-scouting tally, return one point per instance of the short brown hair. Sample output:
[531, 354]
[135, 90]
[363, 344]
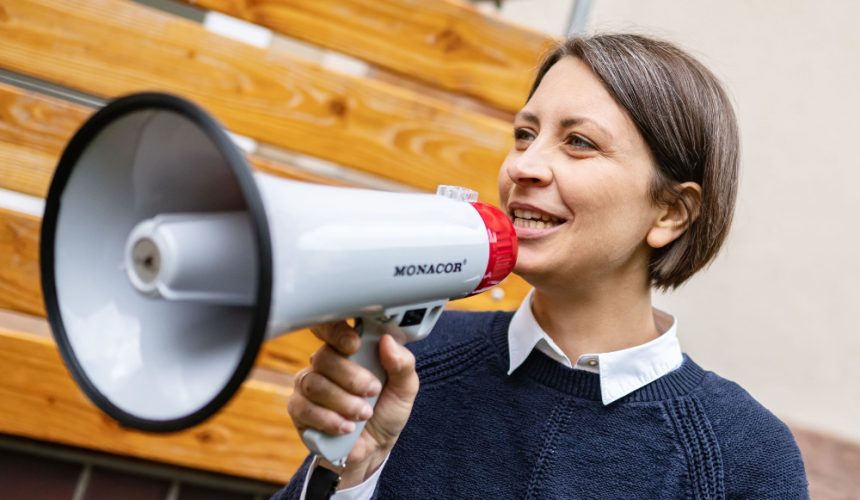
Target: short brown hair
[686, 118]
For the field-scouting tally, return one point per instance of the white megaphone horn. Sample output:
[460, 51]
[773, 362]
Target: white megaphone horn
[166, 262]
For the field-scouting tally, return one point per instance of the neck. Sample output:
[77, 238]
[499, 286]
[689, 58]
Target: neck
[595, 319]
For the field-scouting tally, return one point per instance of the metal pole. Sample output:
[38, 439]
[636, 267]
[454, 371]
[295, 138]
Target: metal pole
[579, 17]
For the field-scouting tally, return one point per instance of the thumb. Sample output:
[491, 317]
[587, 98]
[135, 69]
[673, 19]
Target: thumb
[399, 364]
[397, 396]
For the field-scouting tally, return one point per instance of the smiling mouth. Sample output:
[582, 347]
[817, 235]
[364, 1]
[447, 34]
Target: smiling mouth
[534, 220]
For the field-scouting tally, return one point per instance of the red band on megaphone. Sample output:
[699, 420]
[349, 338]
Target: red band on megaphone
[503, 245]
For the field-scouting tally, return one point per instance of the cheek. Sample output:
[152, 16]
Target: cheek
[627, 222]
[607, 190]
[586, 194]
[609, 207]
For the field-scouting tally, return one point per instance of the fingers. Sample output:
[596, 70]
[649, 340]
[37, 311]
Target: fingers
[323, 392]
[350, 376]
[339, 335]
[330, 395]
[306, 414]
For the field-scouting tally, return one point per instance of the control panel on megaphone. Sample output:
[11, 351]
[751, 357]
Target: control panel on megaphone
[166, 262]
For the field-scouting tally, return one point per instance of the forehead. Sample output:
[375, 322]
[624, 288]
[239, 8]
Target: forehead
[571, 89]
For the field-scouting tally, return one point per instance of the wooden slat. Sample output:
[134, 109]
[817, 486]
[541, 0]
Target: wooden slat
[444, 43]
[33, 131]
[19, 263]
[252, 437]
[35, 128]
[113, 47]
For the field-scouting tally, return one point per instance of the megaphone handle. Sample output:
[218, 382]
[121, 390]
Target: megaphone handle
[335, 449]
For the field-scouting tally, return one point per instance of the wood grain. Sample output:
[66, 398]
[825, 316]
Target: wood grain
[251, 437]
[35, 128]
[441, 42]
[19, 263]
[113, 47]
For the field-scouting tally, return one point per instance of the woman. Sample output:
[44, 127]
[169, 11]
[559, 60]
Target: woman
[622, 179]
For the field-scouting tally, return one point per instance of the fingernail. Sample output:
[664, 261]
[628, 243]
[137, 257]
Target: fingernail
[347, 427]
[374, 388]
[365, 413]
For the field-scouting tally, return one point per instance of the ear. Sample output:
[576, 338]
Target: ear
[676, 215]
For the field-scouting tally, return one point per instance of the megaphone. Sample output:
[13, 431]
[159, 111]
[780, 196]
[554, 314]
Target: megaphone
[165, 263]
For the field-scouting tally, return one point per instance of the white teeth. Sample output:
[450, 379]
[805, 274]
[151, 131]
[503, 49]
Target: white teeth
[532, 215]
[526, 214]
[533, 224]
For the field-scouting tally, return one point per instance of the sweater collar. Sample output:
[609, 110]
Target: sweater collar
[619, 372]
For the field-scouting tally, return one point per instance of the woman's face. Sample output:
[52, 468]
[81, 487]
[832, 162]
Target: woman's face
[576, 183]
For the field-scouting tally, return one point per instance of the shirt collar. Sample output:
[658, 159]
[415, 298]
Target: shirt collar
[621, 372]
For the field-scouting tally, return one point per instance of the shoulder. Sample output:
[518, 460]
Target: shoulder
[459, 340]
[476, 322]
[456, 328]
[760, 456]
[739, 417]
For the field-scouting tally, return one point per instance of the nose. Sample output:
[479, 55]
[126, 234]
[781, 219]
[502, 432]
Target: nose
[530, 168]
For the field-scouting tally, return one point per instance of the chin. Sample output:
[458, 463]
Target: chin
[532, 271]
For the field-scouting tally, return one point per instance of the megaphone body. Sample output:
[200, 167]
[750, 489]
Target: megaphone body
[166, 263]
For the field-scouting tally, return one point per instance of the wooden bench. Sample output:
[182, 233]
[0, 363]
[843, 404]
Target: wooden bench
[478, 69]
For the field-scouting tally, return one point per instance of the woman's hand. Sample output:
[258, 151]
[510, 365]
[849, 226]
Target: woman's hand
[330, 396]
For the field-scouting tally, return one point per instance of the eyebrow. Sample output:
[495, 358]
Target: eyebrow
[565, 122]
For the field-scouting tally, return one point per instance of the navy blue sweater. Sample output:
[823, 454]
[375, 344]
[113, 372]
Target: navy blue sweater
[542, 432]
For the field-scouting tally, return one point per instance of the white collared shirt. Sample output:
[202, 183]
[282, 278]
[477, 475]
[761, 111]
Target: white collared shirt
[621, 372]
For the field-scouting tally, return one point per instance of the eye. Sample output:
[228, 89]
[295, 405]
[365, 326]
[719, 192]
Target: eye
[523, 137]
[579, 142]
